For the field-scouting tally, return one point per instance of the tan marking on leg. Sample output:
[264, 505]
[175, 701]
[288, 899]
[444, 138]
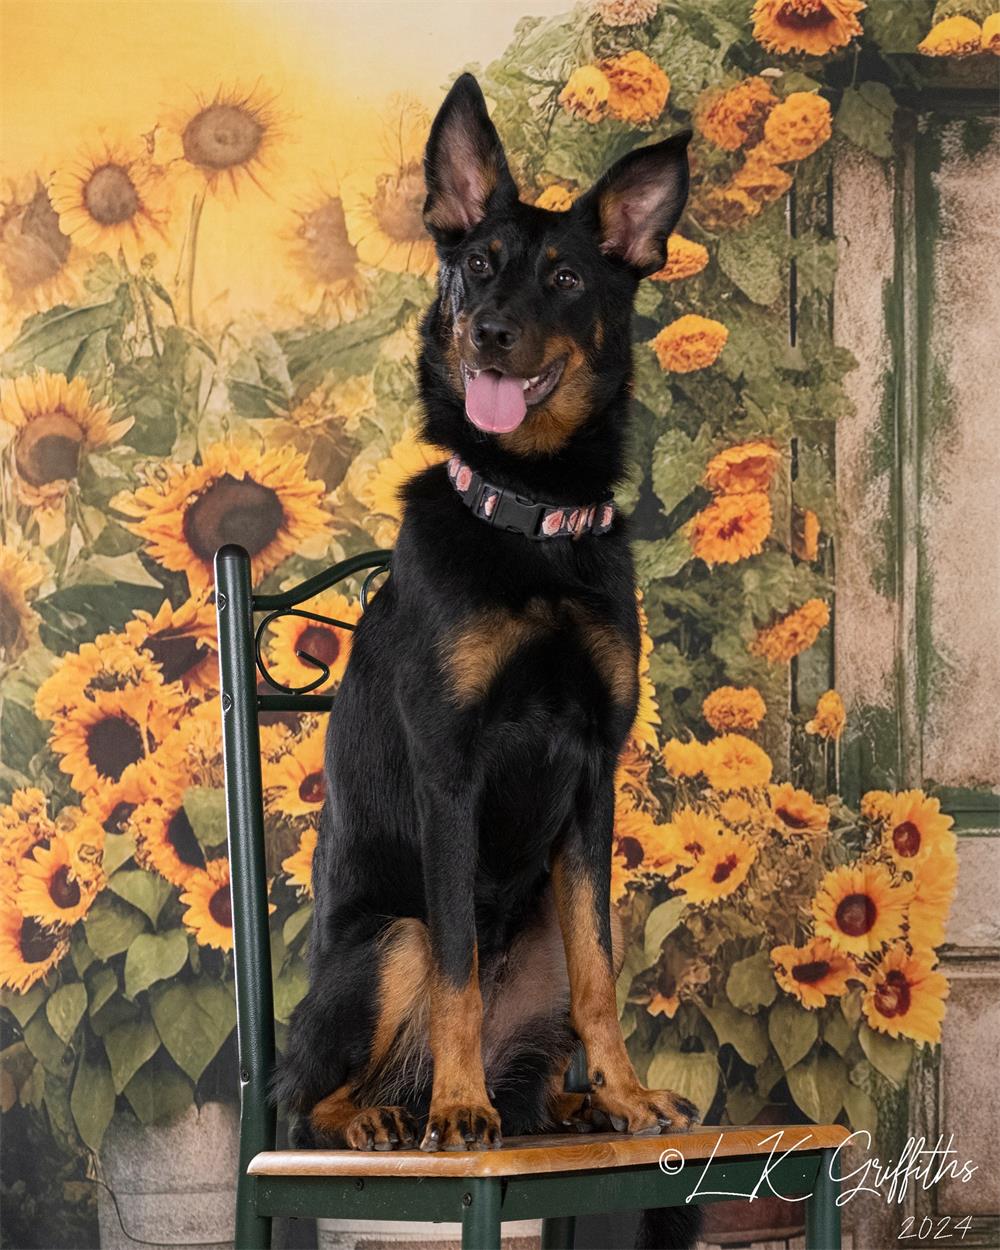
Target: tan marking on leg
[474, 656]
[404, 984]
[611, 655]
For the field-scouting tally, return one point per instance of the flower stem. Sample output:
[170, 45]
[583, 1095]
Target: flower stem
[197, 204]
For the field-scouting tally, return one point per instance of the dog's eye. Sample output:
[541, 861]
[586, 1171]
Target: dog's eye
[477, 264]
[566, 279]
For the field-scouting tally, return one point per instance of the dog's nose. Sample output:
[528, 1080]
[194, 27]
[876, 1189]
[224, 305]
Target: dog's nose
[491, 330]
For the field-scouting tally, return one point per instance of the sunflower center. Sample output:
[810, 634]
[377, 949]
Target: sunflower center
[118, 817]
[48, 449]
[792, 820]
[724, 869]
[32, 247]
[324, 233]
[220, 907]
[319, 642]
[232, 510]
[110, 196]
[63, 890]
[36, 944]
[311, 789]
[804, 14]
[811, 972]
[113, 744]
[181, 837]
[222, 136]
[398, 204]
[177, 654]
[855, 914]
[906, 839]
[892, 998]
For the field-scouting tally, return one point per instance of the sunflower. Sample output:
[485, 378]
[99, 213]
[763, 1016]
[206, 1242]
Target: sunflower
[685, 258]
[636, 832]
[731, 528]
[56, 423]
[586, 94]
[28, 951]
[179, 641]
[796, 128]
[812, 973]
[635, 763]
[24, 823]
[829, 718]
[729, 707]
[556, 198]
[720, 869]
[794, 633]
[990, 41]
[379, 492]
[223, 141]
[209, 913]
[639, 88]
[814, 27]
[677, 978]
[113, 199]
[681, 842]
[915, 827]
[876, 805]
[858, 907]
[691, 342]
[165, 840]
[736, 810]
[796, 812]
[109, 663]
[192, 754]
[934, 881]
[954, 36]
[292, 636]
[733, 762]
[647, 715]
[805, 534]
[38, 262]
[905, 996]
[326, 258]
[57, 886]
[19, 576]
[262, 500]
[684, 759]
[295, 781]
[626, 12]
[621, 877]
[745, 468]
[344, 402]
[735, 115]
[113, 807]
[298, 866]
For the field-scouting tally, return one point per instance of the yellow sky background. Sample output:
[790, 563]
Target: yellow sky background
[72, 68]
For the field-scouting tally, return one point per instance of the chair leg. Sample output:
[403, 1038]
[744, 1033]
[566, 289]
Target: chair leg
[481, 1215]
[822, 1212]
[253, 1231]
[558, 1232]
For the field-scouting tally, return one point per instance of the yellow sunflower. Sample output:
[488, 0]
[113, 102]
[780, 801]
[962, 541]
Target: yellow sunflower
[858, 907]
[736, 810]
[295, 781]
[586, 94]
[733, 762]
[113, 198]
[689, 343]
[681, 842]
[795, 812]
[55, 424]
[19, 576]
[990, 41]
[621, 876]
[28, 950]
[735, 115]
[292, 635]
[379, 491]
[556, 198]
[636, 832]
[953, 36]
[805, 534]
[192, 754]
[180, 641]
[24, 823]
[298, 866]
[829, 718]
[685, 258]
[720, 869]
[730, 707]
[905, 996]
[113, 807]
[814, 27]
[109, 663]
[223, 141]
[39, 266]
[326, 259]
[684, 759]
[793, 634]
[796, 128]
[262, 500]
[935, 878]
[57, 885]
[877, 805]
[746, 468]
[812, 973]
[916, 827]
[638, 88]
[647, 715]
[165, 840]
[731, 528]
[209, 913]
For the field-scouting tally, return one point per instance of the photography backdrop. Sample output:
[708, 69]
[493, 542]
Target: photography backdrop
[213, 267]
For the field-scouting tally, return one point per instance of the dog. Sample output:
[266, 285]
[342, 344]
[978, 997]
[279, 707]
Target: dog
[462, 942]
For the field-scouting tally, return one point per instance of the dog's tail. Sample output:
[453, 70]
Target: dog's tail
[668, 1228]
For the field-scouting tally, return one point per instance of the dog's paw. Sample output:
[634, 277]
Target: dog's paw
[642, 1112]
[574, 1112]
[381, 1128]
[462, 1127]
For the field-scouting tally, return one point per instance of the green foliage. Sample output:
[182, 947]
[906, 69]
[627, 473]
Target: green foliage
[792, 1031]
[818, 1085]
[206, 810]
[92, 1101]
[694, 1076]
[865, 117]
[751, 983]
[193, 1020]
[154, 957]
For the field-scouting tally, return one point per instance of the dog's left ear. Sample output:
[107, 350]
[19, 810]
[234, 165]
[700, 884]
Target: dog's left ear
[636, 203]
[465, 168]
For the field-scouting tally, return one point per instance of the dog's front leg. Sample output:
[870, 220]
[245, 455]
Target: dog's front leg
[461, 1116]
[581, 874]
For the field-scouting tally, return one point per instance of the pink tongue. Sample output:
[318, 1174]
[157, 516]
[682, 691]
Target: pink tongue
[495, 402]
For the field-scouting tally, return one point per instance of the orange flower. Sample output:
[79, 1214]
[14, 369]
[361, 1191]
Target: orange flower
[729, 707]
[814, 27]
[731, 528]
[812, 972]
[793, 634]
[638, 88]
[905, 996]
[684, 759]
[829, 718]
[934, 881]
[298, 866]
[691, 342]
[736, 115]
[733, 762]
[805, 534]
[796, 811]
[954, 36]
[586, 94]
[990, 41]
[797, 127]
[760, 178]
[681, 842]
[743, 469]
[877, 805]
[684, 259]
[556, 199]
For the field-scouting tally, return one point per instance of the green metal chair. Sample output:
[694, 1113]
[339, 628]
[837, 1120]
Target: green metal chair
[555, 1178]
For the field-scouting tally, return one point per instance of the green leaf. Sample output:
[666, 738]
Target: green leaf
[77, 614]
[837, 1032]
[290, 986]
[818, 1085]
[694, 1076]
[751, 983]
[65, 1009]
[47, 1047]
[100, 987]
[746, 1034]
[754, 259]
[92, 1101]
[128, 1046]
[52, 339]
[23, 1006]
[296, 922]
[147, 891]
[154, 957]
[679, 464]
[81, 955]
[110, 926]
[743, 1104]
[206, 810]
[193, 1021]
[890, 1055]
[861, 1110]
[792, 1031]
[157, 1095]
[850, 1007]
[118, 849]
[865, 117]
[661, 922]
[22, 735]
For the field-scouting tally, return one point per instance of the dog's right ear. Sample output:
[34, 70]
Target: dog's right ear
[465, 168]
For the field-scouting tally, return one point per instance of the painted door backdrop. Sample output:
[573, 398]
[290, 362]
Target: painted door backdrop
[213, 266]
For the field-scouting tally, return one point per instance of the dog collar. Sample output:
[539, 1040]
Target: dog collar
[506, 510]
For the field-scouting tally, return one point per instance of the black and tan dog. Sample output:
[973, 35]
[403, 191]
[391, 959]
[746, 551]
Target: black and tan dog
[462, 938]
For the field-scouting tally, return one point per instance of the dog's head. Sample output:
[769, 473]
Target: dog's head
[531, 332]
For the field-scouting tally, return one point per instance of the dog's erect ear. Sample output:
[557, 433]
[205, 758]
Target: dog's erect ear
[634, 206]
[464, 166]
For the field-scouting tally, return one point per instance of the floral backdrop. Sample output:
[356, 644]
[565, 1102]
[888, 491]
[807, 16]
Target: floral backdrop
[782, 930]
